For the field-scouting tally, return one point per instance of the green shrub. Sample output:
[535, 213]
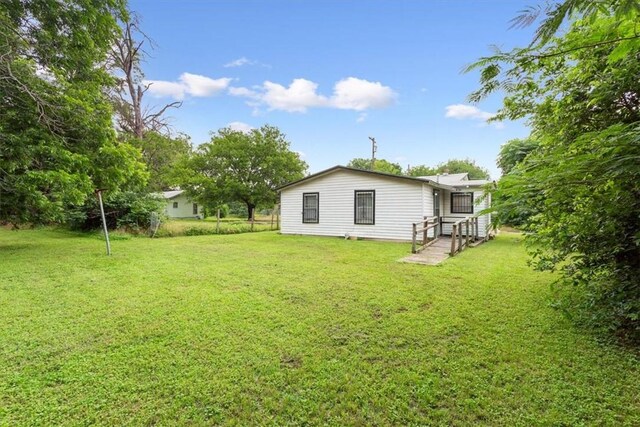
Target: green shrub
[130, 210]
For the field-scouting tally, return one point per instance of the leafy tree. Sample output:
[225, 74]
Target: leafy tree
[57, 142]
[138, 123]
[380, 165]
[452, 166]
[514, 152]
[422, 170]
[579, 188]
[239, 166]
[162, 154]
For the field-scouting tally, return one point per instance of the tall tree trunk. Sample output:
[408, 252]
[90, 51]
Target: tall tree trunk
[250, 208]
[126, 56]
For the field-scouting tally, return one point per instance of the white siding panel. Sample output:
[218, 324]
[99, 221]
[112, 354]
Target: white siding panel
[398, 204]
[484, 221]
[427, 204]
[184, 209]
[479, 204]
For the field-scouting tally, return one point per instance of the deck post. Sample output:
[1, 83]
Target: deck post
[473, 229]
[424, 232]
[453, 239]
[467, 233]
[460, 236]
[413, 240]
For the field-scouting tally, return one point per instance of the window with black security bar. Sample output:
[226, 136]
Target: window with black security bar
[310, 208]
[462, 203]
[365, 207]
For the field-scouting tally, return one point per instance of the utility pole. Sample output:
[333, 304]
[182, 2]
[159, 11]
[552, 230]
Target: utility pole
[374, 148]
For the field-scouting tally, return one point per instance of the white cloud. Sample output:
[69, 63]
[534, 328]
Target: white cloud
[469, 112]
[204, 86]
[240, 126]
[357, 94]
[348, 94]
[161, 89]
[242, 91]
[188, 84]
[361, 117]
[300, 95]
[463, 112]
[241, 62]
[238, 63]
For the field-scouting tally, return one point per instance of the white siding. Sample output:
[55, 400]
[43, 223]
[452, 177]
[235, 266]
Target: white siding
[427, 204]
[184, 209]
[398, 204]
[484, 221]
[479, 204]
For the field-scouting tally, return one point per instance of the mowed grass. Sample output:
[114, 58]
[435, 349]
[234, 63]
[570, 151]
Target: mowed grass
[193, 227]
[264, 329]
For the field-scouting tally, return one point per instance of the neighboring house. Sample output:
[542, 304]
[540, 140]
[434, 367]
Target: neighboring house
[343, 201]
[179, 206]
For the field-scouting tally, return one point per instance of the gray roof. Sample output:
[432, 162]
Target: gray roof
[363, 171]
[457, 180]
[171, 194]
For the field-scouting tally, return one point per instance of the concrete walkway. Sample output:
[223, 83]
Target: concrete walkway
[433, 254]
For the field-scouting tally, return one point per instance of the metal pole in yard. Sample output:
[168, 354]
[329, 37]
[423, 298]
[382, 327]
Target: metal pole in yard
[104, 221]
[218, 222]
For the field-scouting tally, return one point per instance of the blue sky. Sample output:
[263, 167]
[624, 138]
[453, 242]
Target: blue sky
[330, 74]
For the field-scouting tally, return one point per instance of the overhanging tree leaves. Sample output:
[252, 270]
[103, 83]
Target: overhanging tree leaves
[57, 143]
[581, 95]
[162, 154]
[513, 152]
[512, 212]
[239, 166]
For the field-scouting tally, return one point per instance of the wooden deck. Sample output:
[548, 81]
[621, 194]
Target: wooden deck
[435, 253]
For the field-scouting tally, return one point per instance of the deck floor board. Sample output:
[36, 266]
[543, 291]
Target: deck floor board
[433, 254]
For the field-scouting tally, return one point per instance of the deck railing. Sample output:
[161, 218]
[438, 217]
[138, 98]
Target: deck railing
[423, 228]
[463, 232]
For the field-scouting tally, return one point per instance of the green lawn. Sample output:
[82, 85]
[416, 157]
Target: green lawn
[263, 329]
[194, 227]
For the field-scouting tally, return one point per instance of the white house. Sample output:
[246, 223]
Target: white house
[344, 201]
[179, 206]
